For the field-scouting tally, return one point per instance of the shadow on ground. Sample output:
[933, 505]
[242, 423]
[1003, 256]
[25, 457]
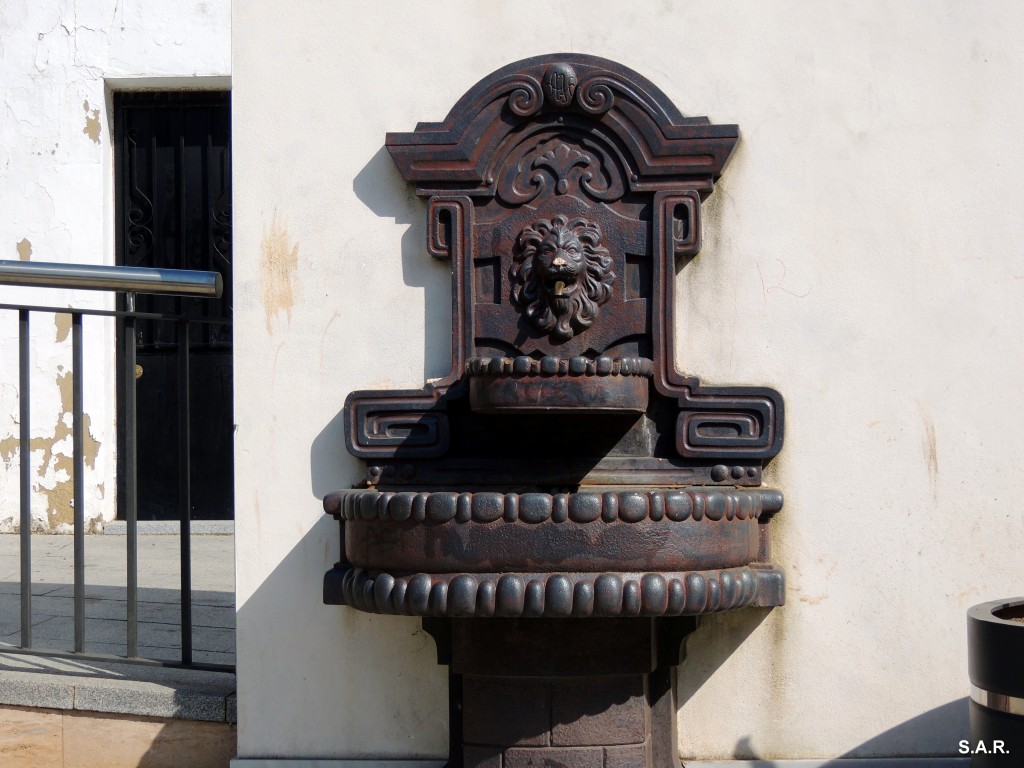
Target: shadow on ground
[106, 626]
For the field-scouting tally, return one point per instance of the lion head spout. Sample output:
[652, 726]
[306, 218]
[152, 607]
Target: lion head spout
[560, 275]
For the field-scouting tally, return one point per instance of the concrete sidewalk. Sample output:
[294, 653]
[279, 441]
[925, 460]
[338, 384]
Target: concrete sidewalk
[213, 595]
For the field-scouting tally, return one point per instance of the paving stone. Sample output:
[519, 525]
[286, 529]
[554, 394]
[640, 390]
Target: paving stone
[213, 616]
[12, 586]
[62, 629]
[173, 527]
[213, 597]
[203, 615]
[10, 626]
[59, 605]
[222, 682]
[93, 591]
[213, 639]
[156, 691]
[119, 688]
[149, 699]
[212, 657]
[31, 689]
[108, 635]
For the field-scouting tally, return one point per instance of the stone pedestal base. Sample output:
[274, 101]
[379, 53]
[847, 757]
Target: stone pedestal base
[561, 693]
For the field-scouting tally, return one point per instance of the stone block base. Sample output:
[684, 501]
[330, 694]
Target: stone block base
[561, 693]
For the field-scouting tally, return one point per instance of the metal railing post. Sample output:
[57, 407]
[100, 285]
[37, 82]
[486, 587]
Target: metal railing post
[131, 479]
[25, 485]
[78, 482]
[185, 489]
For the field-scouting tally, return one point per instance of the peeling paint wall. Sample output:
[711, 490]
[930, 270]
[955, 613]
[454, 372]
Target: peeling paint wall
[279, 259]
[53, 459]
[59, 62]
[862, 253]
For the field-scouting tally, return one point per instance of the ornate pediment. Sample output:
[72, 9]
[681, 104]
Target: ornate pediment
[563, 189]
[571, 93]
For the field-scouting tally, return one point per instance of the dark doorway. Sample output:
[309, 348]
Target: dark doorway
[173, 199]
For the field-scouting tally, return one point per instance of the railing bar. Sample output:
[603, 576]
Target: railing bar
[78, 480]
[25, 459]
[152, 330]
[206, 192]
[97, 277]
[185, 489]
[179, 182]
[131, 478]
[116, 313]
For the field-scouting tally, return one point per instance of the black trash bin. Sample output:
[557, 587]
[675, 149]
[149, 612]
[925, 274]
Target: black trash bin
[995, 659]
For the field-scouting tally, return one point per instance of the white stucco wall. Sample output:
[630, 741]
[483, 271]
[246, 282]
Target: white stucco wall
[862, 255]
[59, 63]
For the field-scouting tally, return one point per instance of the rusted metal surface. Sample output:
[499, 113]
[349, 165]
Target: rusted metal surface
[487, 531]
[565, 470]
[578, 594]
[490, 393]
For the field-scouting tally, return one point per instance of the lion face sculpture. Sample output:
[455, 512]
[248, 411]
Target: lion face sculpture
[560, 275]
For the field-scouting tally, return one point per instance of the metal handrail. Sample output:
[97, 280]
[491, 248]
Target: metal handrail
[128, 280]
[116, 313]
[93, 277]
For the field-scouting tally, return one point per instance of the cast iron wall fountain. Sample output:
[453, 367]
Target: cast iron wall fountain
[565, 502]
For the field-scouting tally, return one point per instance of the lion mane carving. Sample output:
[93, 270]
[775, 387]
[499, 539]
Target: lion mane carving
[560, 275]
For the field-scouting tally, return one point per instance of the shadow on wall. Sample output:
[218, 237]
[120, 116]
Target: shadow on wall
[915, 735]
[718, 637]
[367, 686]
[721, 635]
[383, 190]
[322, 681]
[332, 682]
[909, 738]
[331, 468]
